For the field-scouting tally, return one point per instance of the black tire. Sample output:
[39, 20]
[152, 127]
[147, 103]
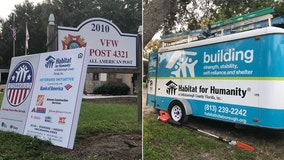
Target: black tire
[177, 112]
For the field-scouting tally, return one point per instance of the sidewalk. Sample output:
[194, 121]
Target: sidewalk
[97, 98]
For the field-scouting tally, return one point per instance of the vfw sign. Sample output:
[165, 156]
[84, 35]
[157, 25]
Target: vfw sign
[109, 47]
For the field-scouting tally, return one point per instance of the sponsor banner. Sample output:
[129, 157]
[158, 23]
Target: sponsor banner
[18, 93]
[52, 108]
[109, 47]
[239, 58]
[255, 93]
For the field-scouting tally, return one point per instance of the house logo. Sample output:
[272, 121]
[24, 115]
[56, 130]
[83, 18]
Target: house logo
[72, 42]
[50, 61]
[171, 88]
[80, 55]
[20, 83]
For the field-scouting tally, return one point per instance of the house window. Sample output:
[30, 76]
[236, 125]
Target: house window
[96, 76]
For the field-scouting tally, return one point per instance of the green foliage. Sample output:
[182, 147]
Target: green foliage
[194, 14]
[228, 9]
[15, 146]
[126, 14]
[113, 89]
[95, 87]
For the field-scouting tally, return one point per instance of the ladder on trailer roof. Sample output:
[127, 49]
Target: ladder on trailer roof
[257, 19]
[249, 21]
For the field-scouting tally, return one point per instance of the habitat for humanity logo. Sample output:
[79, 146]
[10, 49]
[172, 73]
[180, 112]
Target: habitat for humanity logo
[181, 63]
[57, 62]
[20, 83]
[49, 62]
[171, 87]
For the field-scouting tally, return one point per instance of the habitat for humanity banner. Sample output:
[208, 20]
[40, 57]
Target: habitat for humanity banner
[43, 95]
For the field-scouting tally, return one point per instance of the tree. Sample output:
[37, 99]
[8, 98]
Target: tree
[154, 14]
[126, 14]
[193, 14]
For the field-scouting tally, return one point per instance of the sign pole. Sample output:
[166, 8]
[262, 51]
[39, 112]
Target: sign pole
[14, 35]
[139, 74]
[51, 43]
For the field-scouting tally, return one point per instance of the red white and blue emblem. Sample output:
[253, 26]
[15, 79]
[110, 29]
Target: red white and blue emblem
[20, 83]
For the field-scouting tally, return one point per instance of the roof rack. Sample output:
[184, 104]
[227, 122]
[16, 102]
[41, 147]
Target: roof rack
[249, 21]
[183, 37]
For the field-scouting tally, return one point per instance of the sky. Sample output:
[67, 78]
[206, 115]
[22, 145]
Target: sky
[7, 7]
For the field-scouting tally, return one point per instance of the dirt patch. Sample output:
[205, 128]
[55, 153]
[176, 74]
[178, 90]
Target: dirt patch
[116, 146]
[126, 146]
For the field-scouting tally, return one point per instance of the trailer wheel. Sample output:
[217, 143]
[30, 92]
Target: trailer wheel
[177, 112]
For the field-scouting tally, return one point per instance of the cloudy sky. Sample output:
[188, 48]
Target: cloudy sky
[6, 7]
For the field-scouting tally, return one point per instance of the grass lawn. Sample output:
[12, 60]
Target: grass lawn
[94, 119]
[167, 142]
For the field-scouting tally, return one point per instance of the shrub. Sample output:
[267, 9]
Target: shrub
[112, 89]
[95, 88]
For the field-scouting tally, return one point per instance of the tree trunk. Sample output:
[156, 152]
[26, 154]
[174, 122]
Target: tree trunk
[154, 13]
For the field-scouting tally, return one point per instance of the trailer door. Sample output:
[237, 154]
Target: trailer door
[152, 79]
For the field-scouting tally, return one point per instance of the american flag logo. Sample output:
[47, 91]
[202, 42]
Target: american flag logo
[20, 83]
[68, 86]
[14, 33]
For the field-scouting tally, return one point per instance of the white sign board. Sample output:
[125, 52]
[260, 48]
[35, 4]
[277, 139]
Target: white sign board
[43, 95]
[109, 47]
